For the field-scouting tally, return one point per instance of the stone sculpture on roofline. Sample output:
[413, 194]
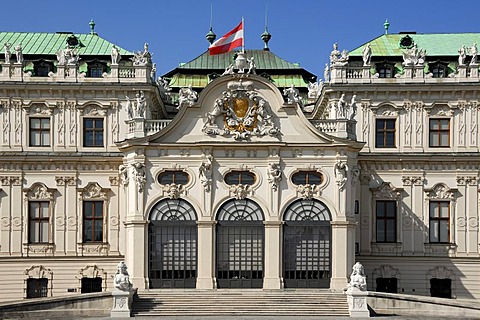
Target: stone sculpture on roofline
[337, 58]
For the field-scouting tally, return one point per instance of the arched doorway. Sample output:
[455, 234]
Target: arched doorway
[307, 245]
[240, 245]
[172, 239]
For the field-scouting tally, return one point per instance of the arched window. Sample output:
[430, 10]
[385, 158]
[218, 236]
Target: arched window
[307, 210]
[173, 210]
[240, 177]
[176, 177]
[307, 177]
[240, 210]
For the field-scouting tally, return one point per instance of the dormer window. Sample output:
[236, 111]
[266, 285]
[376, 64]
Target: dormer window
[385, 70]
[42, 68]
[96, 70]
[439, 70]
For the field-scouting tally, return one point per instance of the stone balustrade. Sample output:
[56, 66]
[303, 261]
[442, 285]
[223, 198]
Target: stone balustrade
[69, 73]
[340, 128]
[410, 74]
[139, 127]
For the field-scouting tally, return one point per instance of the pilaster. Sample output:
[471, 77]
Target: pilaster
[273, 241]
[205, 260]
[343, 253]
[135, 256]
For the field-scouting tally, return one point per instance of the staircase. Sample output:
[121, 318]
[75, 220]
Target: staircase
[239, 302]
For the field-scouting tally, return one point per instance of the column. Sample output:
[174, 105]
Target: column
[205, 260]
[272, 267]
[343, 253]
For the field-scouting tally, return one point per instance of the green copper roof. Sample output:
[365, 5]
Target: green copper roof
[35, 43]
[201, 81]
[263, 59]
[439, 44]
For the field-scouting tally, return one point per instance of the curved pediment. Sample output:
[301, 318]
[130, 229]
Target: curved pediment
[240, 108]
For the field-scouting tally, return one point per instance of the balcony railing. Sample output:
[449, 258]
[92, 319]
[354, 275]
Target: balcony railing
[410, 74]
[340, 128]
[69, 73]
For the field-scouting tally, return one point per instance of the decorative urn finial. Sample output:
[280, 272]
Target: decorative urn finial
[386, 25]
[211, 36]
[92, 26]
[266, 36]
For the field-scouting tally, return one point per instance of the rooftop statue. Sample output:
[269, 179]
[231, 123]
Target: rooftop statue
[115, 55]
[473, 53]
[367, 55]
[293, 95]
[337, 58]
[251, 66]
[414, 56]
[326, 73]
[19, 53]
[187, 97]
[462, 54]
[314, 89]
[142, 58]
[8, 53]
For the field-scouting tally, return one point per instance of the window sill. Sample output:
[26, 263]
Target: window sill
[440, 249]
[41, 249]
[387, 248]
[93, 248]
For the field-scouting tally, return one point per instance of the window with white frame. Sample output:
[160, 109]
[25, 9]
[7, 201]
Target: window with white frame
[93, 132]
[439, 221]
[38, 221]
[39, 129]
[439, 133]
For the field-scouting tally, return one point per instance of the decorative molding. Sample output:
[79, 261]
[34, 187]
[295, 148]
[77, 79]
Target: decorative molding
[413, 180]
[387, 191]
[341, 172]
[440, 191]
[440, 272]
[44, 248]
[38, 272]
[66, 180]
[10, 180]
[467, 180]
[439, 110]
[205, 172]
[114, 180]
[92, 110]
[244, 113]
[173, 191]
[123, 173]
[239, 191]
[385, 110]
[307, 191]
[38, 191]
[41, 109]
[274, 175]
[139, 175]
[93, 191]
[386, 271]
[91, 271]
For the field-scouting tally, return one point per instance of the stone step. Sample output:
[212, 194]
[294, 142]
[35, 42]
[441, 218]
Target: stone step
[231, 303]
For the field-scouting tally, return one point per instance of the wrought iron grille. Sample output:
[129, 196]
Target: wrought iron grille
[307, 245]
[173, 245]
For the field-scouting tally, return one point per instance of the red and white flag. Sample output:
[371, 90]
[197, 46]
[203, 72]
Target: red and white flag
[228, 42]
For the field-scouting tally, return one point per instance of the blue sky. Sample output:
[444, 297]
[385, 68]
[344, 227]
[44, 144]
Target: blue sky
[303, 31]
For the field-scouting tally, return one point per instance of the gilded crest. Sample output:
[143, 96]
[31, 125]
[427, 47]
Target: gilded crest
[244, 113]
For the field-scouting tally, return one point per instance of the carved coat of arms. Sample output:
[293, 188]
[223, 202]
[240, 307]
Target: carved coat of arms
[244, 113]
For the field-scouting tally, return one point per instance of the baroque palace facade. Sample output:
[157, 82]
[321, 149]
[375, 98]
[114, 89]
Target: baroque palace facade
[241, 171]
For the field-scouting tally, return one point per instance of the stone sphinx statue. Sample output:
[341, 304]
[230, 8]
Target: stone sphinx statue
[358, 280]
[122, 279]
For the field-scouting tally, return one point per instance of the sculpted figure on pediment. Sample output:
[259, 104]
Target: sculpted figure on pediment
[440, 191]
[387, 191]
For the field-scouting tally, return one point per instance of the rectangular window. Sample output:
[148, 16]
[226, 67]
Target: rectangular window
[439, 133]
[386, 221]
[38, 221]
[93, 221]
[385, 133]
[439, 222]
[92, 132]
[96, 72]
[91, 285]
[441, 288]
[387, 285]
[39, 132]
[37, 288]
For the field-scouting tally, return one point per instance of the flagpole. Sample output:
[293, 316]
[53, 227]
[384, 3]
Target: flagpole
[243, 38]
